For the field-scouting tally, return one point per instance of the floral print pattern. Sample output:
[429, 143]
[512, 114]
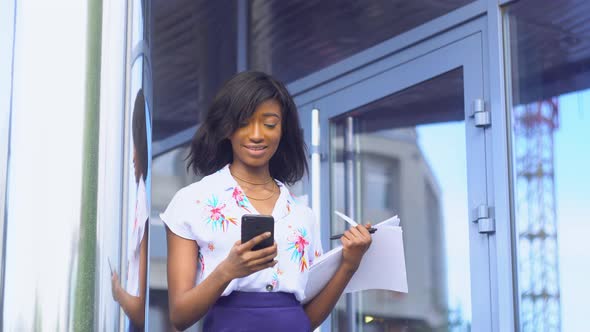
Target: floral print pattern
[217, 218]
[239, 197]
[297, 243]
[275, 280]
[317, 253]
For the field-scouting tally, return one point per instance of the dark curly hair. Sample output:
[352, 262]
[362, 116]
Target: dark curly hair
[234, 104]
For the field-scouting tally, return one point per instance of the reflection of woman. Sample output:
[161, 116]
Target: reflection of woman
[249, 144]
[132, 298]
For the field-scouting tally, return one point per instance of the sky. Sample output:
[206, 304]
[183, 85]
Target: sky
[572, 181]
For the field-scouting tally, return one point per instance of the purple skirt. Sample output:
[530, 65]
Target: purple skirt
[252, 311]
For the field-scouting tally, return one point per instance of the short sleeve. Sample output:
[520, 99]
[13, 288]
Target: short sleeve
[317, 249]
[176, 216]
[141, 208]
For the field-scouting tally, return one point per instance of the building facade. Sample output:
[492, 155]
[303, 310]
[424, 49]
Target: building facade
[467, 118]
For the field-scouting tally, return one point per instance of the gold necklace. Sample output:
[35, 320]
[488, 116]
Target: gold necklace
[261, 199]
[252, 183]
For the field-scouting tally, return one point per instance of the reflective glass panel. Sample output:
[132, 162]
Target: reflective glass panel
[548, 47]
[409, 158]
[193, 48]
[50, 252]
[292, 39]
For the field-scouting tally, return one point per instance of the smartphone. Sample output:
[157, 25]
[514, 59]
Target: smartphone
[256, 224]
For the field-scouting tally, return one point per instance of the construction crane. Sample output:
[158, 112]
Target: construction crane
[534, 127]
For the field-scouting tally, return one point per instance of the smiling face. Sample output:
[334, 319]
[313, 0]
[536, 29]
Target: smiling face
[256, 141]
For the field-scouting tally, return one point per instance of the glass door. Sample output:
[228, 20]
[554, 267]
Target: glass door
[405, 142]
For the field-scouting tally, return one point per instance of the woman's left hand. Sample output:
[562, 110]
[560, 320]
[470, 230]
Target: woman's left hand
[115, 286]
[355, 243]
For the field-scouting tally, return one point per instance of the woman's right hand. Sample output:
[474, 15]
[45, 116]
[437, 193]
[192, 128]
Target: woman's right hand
[242, 261]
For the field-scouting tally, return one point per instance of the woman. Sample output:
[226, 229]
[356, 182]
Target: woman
[248, 147]
[132, 298]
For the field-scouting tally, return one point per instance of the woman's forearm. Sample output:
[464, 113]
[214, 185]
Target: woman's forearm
[189, 303]
[320, 306]
[192, 305]
[133, 306]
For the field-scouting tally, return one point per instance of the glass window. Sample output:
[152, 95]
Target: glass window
[137, 28]
[292, 39]
[193, 52]
[549, 104]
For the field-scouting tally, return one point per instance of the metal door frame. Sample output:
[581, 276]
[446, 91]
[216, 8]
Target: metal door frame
[460, 47]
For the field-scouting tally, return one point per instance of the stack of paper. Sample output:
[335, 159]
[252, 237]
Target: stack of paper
[383, 265]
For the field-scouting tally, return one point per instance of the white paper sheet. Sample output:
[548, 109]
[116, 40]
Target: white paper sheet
[383, 265]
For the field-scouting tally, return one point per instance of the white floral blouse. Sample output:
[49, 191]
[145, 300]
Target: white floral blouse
[210, 211]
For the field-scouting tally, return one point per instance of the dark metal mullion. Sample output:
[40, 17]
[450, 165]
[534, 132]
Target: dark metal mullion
[242, 35]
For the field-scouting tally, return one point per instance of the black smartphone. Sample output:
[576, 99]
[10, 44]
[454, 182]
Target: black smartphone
[256, 224]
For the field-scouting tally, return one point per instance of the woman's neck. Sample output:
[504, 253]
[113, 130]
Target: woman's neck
[252, 174]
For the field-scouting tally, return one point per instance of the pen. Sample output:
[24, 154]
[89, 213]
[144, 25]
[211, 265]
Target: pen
[110, 266]
[336, 237]
[345, 218]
